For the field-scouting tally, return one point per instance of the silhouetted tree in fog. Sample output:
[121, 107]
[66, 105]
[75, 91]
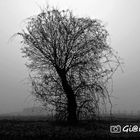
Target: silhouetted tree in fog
[70, 61]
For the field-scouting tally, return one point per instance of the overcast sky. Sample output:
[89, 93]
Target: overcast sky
[122, 19]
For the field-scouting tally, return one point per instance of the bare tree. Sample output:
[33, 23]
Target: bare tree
[70, 60]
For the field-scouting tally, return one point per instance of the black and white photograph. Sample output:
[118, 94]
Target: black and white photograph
[69, 69]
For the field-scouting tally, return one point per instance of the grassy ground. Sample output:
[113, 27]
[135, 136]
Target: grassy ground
[39, 128]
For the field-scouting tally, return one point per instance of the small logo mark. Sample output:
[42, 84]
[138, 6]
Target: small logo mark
[115, 129]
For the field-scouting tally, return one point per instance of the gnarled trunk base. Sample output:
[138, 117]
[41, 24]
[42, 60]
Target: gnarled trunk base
[71, 108]
[71, 99]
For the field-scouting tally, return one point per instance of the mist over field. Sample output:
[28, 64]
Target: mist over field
[122, 21]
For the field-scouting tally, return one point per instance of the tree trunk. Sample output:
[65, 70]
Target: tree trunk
[71, 108]
[71, 99]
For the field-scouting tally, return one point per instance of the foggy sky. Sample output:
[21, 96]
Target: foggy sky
[122, 20]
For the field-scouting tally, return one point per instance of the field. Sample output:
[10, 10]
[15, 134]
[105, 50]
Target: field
[40, 128]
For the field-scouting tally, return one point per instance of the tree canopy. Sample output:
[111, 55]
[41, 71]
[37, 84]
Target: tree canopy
[71, 62]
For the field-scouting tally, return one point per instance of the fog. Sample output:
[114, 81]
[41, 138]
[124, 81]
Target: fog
[122, 20]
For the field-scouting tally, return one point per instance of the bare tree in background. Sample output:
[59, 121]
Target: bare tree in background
[71, 62]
